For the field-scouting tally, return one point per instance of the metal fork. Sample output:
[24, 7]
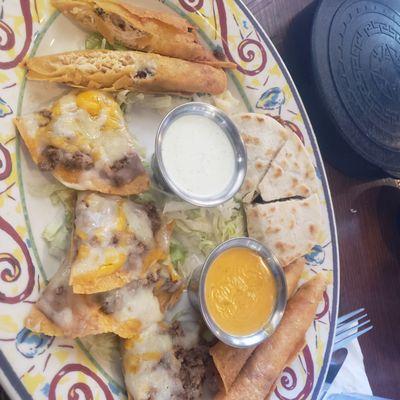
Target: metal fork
[348, 327]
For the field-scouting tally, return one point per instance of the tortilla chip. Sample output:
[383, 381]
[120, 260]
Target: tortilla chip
[32, 128]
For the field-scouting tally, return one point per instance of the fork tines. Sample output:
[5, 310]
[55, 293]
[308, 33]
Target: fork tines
[348, 327]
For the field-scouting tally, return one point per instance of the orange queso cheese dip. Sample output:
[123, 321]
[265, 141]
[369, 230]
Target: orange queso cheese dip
[240, 291]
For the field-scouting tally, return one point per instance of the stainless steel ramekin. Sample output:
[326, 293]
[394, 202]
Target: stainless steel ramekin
[196, 291]
[160, 174]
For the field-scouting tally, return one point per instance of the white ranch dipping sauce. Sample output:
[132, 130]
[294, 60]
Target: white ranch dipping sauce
[198, 156]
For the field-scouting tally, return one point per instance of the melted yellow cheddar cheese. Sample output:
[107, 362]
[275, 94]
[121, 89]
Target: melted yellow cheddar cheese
[79, 121]
[94, 101]
[240, 291]
[113, 261]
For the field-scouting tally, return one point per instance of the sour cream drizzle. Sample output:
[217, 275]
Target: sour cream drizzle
[198, 156]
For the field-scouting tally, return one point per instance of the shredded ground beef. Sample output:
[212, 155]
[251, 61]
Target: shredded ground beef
[52, 156]
[154, 216]
[125, 170]
[193, 370]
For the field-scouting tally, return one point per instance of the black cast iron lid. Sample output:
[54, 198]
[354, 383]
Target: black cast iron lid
[356, 61]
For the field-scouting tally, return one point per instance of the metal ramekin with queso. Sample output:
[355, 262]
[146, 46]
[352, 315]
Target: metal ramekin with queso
[240, 291]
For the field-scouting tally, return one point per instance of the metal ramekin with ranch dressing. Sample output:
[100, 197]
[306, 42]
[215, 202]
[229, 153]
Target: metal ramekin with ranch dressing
[199, 155]
[267, 323]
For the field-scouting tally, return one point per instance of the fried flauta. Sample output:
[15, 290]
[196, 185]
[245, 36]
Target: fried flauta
[230, 360]
[257, 379]
[131, 70]
[141, 29]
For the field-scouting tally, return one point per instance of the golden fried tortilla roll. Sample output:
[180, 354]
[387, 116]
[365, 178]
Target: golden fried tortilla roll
[293, 274]
[132, 70]
[256, 380]
[230, 360]
[140, 29]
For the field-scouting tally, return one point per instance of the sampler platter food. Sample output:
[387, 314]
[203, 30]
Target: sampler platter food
[95, 257]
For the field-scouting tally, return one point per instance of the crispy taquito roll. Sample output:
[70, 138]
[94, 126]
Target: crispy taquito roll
[258, 377]
[230, 360]
[131, 70]
[137, 28]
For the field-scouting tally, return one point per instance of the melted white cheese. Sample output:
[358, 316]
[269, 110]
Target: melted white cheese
[139, 223]
[139, 304]
[99, 219]
[159, 379]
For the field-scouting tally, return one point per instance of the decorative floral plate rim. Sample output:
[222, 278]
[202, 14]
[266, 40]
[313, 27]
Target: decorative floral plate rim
[189, 8]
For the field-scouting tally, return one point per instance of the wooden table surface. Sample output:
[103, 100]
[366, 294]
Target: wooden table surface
[367, 213]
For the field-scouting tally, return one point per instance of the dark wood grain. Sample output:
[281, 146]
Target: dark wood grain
[367, 213]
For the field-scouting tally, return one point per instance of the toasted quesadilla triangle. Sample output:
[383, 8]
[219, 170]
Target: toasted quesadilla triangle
[263, 137]
[230, 360]
[83, 141]
[116, 242]
[111, 70]
[257, 379]
[290, 229]
[291, 173]
[139, 29]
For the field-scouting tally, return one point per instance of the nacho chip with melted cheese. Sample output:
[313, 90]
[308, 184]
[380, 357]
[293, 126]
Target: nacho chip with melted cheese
[116, 241]
[83, 141]
[125, 311]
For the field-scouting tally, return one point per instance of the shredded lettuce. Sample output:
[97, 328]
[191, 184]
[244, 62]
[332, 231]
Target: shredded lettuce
[227, 103]
[154, 195]
[158, 102]
[96, 41]
[104, 348]
[200, 230]
[57, 232]
[177, 253]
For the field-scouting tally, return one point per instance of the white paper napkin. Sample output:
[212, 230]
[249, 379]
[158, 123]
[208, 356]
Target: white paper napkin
[352, 377]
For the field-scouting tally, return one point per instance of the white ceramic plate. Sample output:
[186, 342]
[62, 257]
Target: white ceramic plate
[44, 367]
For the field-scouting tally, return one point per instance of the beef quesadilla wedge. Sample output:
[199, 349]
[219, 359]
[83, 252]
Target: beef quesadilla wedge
[131, 70]
[230, 360]
[263, 137]
[140, 29]
[291, 173]
[290, 229]
[165, 362]
[125, 311]
[83, 141]
[116, 241]
[257, 379]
